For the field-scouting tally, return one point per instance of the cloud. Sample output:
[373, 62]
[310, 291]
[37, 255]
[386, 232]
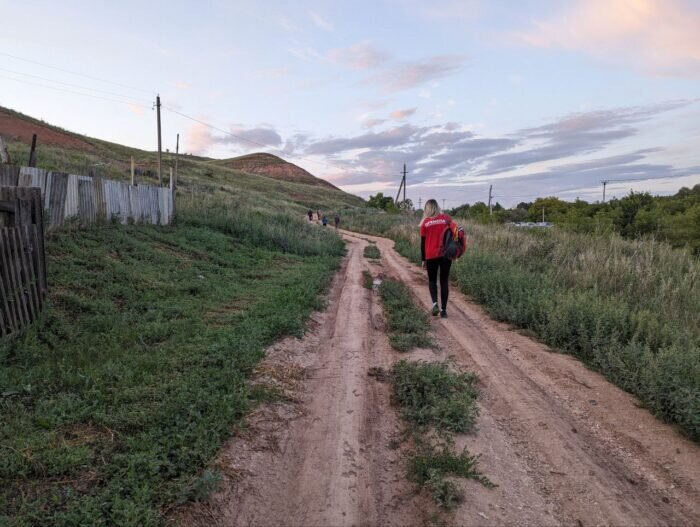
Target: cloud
[137, 109]
[180, 85]
[372, 122]
[575, 134]
[392, 137]
[407, 75]
[660, 37]
[303, 52]
[399, 115]
[393, 75]
[321, 22]
[361, 56]
[200, 138]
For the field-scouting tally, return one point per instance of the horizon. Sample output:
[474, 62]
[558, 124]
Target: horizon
[537, 100]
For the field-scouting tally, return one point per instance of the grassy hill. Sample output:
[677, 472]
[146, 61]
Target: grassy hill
[113, 404]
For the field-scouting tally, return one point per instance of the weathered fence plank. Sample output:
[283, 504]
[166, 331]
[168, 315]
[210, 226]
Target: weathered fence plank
[22, 263]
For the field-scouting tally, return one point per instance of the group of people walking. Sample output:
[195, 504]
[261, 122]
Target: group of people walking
[323, 219]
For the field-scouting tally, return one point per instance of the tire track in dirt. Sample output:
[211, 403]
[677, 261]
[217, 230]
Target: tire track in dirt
[323, 457]
[594, 456]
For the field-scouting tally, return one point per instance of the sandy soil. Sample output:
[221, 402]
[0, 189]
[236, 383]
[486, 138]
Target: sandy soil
[564, 446]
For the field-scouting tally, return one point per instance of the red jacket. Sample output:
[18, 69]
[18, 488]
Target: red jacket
[432, 229]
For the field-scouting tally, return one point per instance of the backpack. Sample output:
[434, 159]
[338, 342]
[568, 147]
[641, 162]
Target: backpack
[454, 241]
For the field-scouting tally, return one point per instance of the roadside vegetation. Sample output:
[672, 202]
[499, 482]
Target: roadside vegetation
[437, 403]
[113, 405]
[407, 324]
[372, 252]
[627, 308]
[367, 280]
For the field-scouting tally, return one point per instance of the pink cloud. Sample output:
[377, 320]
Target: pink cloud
[660, 37]
[407, 75]
[399, 115]
[361, 56]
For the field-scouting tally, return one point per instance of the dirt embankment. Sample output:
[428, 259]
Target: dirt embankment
[564, 446]
[14, 127]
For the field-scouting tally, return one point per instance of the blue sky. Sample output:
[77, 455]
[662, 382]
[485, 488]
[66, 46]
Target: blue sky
[535, 97]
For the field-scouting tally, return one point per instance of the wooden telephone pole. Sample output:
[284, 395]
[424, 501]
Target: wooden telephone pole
[402, 185]
[160, 153]
[490, 198]
[605, 183]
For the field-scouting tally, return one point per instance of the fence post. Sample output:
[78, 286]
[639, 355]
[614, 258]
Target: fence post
[32, 152]
[4, 154]
[132, 171]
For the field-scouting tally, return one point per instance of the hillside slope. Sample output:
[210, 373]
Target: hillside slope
[272, 166]
[255, 177]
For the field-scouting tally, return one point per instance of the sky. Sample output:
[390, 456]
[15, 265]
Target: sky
[534, 98]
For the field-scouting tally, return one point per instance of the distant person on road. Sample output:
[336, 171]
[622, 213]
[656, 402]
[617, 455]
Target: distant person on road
[324, 220]
[318, 215]
[311, 215]
[432, 231]
[337, 220]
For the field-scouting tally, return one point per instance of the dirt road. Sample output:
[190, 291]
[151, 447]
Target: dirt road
[564, 446]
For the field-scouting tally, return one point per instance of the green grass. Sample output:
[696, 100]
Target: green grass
[372, 252]
[433, 397]
[430, 467]
[113, 405]
[629, 309]
[367, 280]
[430, 394]
[408, 325]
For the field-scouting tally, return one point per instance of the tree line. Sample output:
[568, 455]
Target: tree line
[674, 219]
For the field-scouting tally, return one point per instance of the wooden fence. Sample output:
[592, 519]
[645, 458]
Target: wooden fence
[23, 286]
[68, 197]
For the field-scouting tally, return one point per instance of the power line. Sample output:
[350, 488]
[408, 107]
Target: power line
[76, 73]
[73, 92]
[72, 85]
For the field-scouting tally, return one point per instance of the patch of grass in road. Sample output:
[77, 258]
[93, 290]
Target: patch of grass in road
[367, 280]
[372, 252]
[113, 405]
[408, 325]
[432, 397]
[430, 394]
[431, 467]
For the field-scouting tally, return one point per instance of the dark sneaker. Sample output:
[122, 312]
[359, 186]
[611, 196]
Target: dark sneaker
[436, 310]
[443, 313]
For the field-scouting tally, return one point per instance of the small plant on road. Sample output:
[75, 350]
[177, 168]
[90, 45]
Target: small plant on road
[367, 280]
[431, 395]
[408, 326]
[372, 251]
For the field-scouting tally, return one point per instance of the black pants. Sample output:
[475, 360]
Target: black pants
[443, 264]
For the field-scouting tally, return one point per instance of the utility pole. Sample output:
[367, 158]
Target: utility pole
[542, 214]
[420, 201]
[132, 172]
[490, 197]
[160, 153]
[443, 203]
[404, 183]
[604, 185]
[177, 152]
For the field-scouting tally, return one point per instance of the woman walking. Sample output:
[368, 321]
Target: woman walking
[432, 231]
